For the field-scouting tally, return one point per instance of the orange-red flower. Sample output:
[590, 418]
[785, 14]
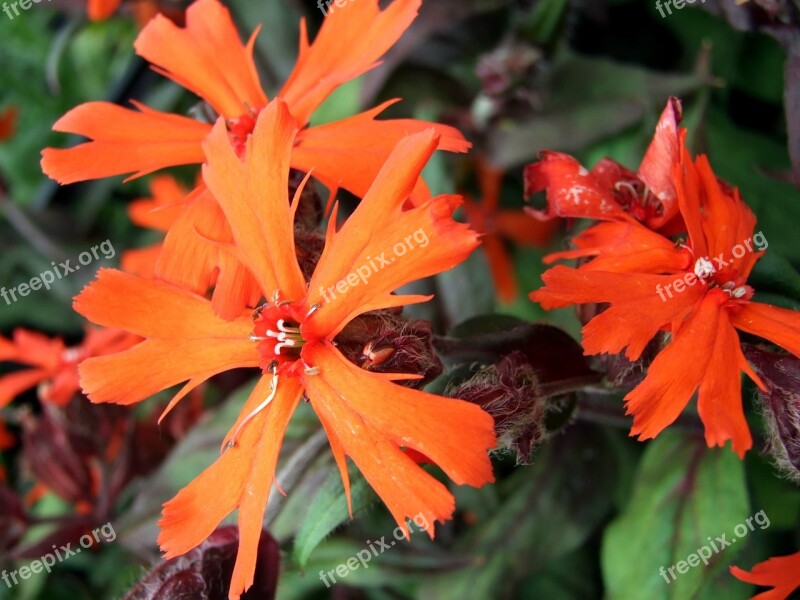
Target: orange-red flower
[8, 122]
[499, 225]
[782, 573]
[207, 58]
[291, 339]
[54, 366]
[636, 270]
[158, 213]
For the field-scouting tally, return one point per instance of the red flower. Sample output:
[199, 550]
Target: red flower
[782, 573]
[653, 285]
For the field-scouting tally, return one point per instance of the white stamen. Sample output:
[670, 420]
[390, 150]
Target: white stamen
[703, 268]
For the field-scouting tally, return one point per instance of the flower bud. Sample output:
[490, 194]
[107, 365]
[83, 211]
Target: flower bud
[386, 342]
[780, 405]
[205, 572]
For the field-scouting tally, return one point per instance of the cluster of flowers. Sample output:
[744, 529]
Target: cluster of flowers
[236, 282]
[238, 242]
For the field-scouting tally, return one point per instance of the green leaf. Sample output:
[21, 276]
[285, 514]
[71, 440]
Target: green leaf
[328, 510]
[550, 509]
[684, 495]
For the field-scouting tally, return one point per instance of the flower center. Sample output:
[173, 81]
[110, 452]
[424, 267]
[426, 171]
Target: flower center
[276, 328]
[240, 129]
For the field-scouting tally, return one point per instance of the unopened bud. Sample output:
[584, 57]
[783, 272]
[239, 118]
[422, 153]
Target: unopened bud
[385, 342]
[780, 405]
[206, 571]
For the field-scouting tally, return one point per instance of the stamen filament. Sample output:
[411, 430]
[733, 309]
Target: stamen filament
[272, 391]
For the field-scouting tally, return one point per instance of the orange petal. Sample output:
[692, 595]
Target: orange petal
[572, 191]
[350, 42]
[197, 254]
[14, 384]
[156, 309]
[188, 259]
[259, 483]
[778, 325]
[381, 247]
[118, 378]
[626, 248]
[501, 267]
[99, 10]
[63, 386]
[206, 57]
[32, 348]
[454, 434]
[521, 229]
[124, 141]
[641, 305]
[656, 170]
[727, 222]
[349, 153]
[689, 191]
[160, 211]
[141, 261]
[197, 510]
[782, 573]
[187, 340]
[704, 353]
[253, 194]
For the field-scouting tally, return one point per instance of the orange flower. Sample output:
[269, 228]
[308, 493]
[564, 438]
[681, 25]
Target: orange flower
[636, 271]
[54, 365]
[782, 573]
[158, 213]
[219, 69]
[291, 339]
[498, 225]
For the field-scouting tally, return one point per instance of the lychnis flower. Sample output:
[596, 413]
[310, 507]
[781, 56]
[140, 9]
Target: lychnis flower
[208, 58]
[291, 339]
[696, 290]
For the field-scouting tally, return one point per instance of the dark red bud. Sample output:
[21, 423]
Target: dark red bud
[205, 572]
